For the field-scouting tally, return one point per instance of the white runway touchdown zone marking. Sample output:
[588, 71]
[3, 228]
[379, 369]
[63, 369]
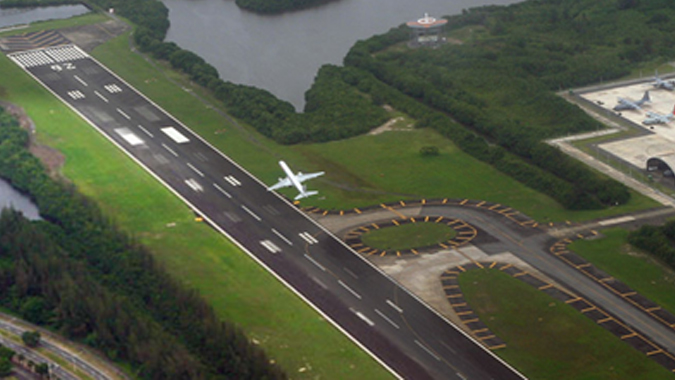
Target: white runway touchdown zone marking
[175, 135]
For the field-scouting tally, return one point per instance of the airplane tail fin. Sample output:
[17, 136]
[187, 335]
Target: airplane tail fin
[646, 98]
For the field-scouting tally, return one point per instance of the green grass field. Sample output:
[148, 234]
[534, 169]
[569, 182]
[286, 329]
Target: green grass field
[639, 270]
[239, 290]
[548, 339]
[406, 236]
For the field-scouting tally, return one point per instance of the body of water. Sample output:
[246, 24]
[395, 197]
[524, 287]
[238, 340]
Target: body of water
[9, 197]
[18, 16]
[283, 53]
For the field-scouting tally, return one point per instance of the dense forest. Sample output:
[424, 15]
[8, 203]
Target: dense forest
[277, 6]
[76, 273]
[659, 241]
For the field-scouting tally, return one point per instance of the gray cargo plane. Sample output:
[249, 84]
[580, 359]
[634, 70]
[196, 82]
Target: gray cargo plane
[657, 118]
[627, 104]
[664, 84]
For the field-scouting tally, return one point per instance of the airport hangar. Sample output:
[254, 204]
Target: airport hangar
[652, 149]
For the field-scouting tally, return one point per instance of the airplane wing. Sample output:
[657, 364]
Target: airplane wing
[304, 177]
[285, 182]
[653, 115]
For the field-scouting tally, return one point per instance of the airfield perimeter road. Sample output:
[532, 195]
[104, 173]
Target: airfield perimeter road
[395, 326]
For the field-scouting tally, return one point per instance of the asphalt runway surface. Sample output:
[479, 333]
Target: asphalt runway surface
[393, 325]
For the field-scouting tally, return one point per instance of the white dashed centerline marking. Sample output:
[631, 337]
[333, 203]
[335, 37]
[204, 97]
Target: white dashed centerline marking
[195, 169]
[251, 213]
[386, 319]
[170, 150]
[101, 96]
[222, 191]
[123, 114]
[365, 319]
[350, 290]
[145, 130]
[282, 237]
[80, 80]
[351, 273]
[394, 306]
[427, 350]
[311, 259]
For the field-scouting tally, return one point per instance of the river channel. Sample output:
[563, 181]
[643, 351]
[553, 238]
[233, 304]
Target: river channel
[9, 197]
[283, 53]
[19, 16]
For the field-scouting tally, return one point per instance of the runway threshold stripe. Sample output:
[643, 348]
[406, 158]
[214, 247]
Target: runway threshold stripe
[428, 351]
[350, 290]
[316, 263]
[387, 319]
[394, 306]
[282, 237]
[222, 191]
[256, 217]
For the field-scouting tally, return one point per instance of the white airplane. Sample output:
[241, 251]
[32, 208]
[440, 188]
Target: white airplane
[295, 180]
[657, 118]
[664, 84]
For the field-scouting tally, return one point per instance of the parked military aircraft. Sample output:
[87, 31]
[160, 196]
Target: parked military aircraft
[295, 180]
[664, 84]
[657, 118]
[627, 104]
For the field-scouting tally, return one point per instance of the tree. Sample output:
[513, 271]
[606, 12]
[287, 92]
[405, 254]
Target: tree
[5, 367]
[31, 338]
[42, 369]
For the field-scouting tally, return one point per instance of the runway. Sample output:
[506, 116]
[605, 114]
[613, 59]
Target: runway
[393, 325]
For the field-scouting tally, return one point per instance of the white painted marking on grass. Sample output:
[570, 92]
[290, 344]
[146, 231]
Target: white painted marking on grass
[355, 294]
[80, 80]
[251, 213]
[351, 273]
[194, 185]
[195, 169]
[394, 306]
[311, 259]
[129, 136]
[123, 114]
[282, 237]
[145, 130]
[308, 237]
[365, 319]
[222, 191]
[101, 96]
[270, 246]
[175, 135]
[622, 219]
[386, 319]
[170, 150]
[427, 350]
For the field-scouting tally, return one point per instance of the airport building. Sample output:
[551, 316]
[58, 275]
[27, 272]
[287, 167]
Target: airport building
[426, 31]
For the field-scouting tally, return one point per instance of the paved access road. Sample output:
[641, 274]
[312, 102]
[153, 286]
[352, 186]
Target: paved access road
[397, 328]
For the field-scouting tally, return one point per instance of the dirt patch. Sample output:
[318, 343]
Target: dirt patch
[388, 126]
[51, 158]
[88, 37]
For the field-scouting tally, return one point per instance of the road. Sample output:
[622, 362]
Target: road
[394, 326]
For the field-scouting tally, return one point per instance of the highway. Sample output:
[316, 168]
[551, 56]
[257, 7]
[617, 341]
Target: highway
[394, 326]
